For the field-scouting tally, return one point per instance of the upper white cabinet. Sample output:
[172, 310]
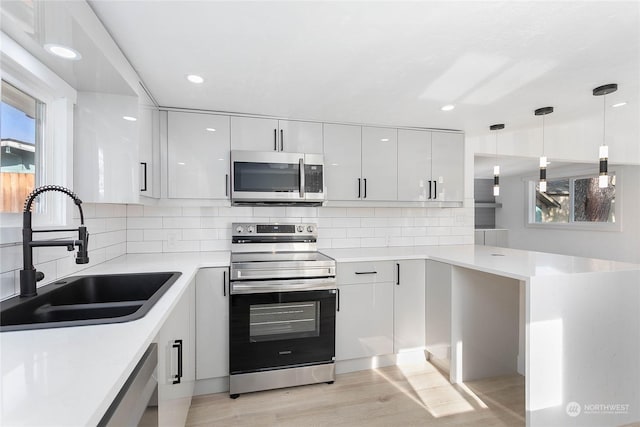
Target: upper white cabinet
[431, 166]
[379, 164]
[409, 306]
[198, 155]
[261, 134]
[105, 150]
[342, 161]
[149, 146]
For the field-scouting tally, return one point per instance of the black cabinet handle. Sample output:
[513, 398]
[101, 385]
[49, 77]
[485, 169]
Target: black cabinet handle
[178, 344]
[224, 283]
[144, 165]
[275, 140]
[337, 299]
[398, 276]
[435, 189]
[226, 184]
[366, 272]
[281, 140]
[429, 190]
[365, 188]
[359, 186]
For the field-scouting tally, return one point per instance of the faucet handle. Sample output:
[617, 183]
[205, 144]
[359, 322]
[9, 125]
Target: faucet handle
[39, 276]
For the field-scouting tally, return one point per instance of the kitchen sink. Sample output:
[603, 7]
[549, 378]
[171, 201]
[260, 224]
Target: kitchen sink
[86, 300]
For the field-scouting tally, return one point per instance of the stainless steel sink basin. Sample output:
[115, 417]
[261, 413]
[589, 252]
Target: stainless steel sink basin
[86, 300]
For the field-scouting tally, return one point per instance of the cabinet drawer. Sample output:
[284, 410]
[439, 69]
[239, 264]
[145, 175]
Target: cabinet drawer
[365, 272]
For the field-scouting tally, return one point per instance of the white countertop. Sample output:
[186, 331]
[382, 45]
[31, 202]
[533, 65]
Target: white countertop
[70, 376]
[513, 263]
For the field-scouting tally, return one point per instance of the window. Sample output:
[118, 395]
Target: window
[21, 134]
[574, 201]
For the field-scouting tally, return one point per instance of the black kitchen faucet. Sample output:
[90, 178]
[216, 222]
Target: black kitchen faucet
[28, 275]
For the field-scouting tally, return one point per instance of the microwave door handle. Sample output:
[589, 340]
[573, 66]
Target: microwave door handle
[301, 165]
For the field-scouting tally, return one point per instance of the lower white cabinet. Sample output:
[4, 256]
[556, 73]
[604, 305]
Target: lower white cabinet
[364, 317]
[176, 362]
[212, 323]
[409, 306]
[438, 309]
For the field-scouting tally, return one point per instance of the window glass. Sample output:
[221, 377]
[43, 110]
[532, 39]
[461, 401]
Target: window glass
[594, 204]
[21, 118]
[553, 206]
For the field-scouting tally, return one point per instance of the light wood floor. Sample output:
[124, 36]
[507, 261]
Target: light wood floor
[408, 395]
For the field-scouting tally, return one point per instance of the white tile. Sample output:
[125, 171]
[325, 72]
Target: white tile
[446, 222]
[426, 222]
[224, 234]
[96, 256]
[10, 258]
[120, 210]
[9, 285]
[135, 210]
[215, 222]
[115, 251]
[324, 222]
[284, 220]
[51, 253]
[107, 239]
[426, 241]
[332, 212]
[96, 225]
[270, 211]
[360, 232]
[144, 247]
[387, 231]
[181, 222]
[105, 210]
[414, 231]
[468, 240]
[345, 222]
[460, 219]
[332, 233]
[345, 243]
[415, 212]
[438, 231]
[361, 212]
[200, 211]
[135, 235]
[400, 241]
[181, 246]
[373, 242]
[452, 240]
[143, 223]
[117, 223]
[374, 222]
[323, 243]
[388, 212]
[402, 222]
[200, 234]
[461, 231]
[215, 245]
[156, 234]
[235, 211]
[301, 212]
[88, 209]
[49, 269]
[162, 211]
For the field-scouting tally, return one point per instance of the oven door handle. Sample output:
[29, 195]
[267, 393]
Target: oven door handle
[265, 286]
[302, 184]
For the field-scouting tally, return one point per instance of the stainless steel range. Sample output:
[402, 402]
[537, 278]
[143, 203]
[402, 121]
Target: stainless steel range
[282, 308]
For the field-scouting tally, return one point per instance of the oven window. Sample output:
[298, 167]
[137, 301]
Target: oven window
[266, 177]
[270, 322]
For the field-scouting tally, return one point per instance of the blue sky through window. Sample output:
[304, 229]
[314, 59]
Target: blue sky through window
[14, 124]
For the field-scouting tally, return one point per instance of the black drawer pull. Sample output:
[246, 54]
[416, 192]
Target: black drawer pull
[366, 272]
[178, 344]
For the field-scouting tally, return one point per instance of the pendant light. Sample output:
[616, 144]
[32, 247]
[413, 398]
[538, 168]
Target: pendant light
[543, 159]
[496, 168]
[603, 178]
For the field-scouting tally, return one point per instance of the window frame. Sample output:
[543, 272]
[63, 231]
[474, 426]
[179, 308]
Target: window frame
[530, 204]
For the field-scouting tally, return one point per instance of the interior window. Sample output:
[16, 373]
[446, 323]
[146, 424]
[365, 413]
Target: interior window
[21, 121]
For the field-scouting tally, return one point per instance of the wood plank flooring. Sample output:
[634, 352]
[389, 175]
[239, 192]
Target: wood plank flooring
[407, 395]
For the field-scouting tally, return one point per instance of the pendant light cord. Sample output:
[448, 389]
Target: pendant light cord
[543, 134]
[604, 117]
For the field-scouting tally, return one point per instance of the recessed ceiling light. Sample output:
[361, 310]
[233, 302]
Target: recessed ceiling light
[448, 107]
[129, 118]
[62, 51]
[384, 139]
[194, 78]
[619, 104]
[181, 163]
[210, 129]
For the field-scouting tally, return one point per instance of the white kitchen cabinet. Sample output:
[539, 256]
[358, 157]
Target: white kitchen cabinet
[492, 237]
[409, 306]
[212, 323]
[447, 166]
[262, 134]
[364, 318]
[438, 309]
[379, 164]
[430, 166]
[342, 161]
[198, 155]
[105, 150]
[149, 146]
[176, 361]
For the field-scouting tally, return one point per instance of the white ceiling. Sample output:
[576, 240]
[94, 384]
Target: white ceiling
[391, 63]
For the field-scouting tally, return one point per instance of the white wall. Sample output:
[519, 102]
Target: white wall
[621, 245]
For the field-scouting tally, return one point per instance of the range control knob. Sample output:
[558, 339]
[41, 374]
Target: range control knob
[300, 228]
[251, 229]
[239, 229]
[310, 228]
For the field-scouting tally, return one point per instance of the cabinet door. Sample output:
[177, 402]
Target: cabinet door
[149, 147]
[438, 309]
[254, 134]
[300, 137]
[414, 160]
[447, 166]
[379, 164]
[409, 306]
[364, 321]
[198, 155]
[212, 323]
[175, 336]
[342, 161]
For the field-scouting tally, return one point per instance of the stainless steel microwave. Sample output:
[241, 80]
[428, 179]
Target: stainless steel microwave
[276, 178]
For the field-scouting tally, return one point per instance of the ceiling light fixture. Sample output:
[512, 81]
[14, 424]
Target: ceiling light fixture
[210, 129]
[496, 168]
[129, 118]
[64, 52]
[603, 91]
[384, 139]
[619, 104]
[194, 78]
[543, 159]
[448, 107]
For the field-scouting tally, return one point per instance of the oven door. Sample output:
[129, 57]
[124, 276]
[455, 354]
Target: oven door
[281, 329]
